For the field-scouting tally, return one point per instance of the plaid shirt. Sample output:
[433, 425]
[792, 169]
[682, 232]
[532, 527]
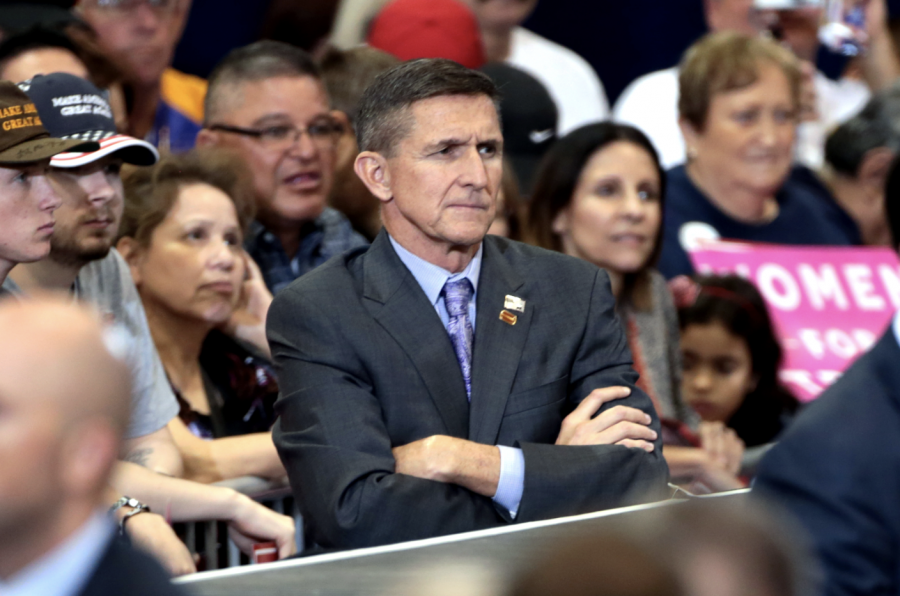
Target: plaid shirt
[328, 235]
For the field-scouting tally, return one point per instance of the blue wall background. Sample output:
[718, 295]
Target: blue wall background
[622, 39]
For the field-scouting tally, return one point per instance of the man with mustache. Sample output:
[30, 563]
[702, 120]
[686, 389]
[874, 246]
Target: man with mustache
[267, 102]
[81, 261]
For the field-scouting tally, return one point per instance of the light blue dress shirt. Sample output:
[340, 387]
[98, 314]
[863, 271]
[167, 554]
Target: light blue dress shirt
[431, 279]
[66, 569]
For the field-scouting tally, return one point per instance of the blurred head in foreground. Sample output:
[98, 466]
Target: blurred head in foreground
[730, 547]
[60, 425]
[609, 564]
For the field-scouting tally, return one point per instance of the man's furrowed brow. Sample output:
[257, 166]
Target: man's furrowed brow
[448, 142]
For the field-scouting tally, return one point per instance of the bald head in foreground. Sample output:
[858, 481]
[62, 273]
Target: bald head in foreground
[59, 438]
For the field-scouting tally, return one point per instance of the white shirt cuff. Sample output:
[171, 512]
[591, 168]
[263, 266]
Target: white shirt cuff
[512, 479]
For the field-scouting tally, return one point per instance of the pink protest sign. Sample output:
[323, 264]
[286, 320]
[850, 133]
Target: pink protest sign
[828, 304]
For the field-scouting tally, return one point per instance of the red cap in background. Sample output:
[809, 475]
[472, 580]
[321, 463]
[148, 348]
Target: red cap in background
[429, 29]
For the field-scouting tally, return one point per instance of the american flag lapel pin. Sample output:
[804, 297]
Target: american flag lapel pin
[514, 303]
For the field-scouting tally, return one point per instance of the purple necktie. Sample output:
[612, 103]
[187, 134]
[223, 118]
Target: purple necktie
[457, 295]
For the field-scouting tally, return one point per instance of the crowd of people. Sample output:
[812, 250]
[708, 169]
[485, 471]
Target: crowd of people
[427, 275]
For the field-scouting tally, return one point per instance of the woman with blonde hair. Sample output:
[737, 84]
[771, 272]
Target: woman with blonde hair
[738, 111]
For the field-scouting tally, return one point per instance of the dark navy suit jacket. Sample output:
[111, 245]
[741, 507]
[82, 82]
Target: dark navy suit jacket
[125, 571]
[838, 470]
[365, 364]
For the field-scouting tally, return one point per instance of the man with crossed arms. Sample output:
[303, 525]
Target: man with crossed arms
[442, 380]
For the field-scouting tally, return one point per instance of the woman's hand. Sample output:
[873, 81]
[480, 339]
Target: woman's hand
[714, 466]
[724, 447]
[151, 533]
[251, 523]
[248, 321]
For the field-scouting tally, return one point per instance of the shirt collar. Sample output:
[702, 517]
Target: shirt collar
[66, 569]
[431, 277]
[257, 232]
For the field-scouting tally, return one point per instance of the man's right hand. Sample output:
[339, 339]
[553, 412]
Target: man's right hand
[151, 533]
[620, 425]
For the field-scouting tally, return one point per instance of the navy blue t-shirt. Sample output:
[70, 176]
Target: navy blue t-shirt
[805, 217]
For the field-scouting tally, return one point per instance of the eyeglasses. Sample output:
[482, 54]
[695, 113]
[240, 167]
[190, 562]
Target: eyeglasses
[128, 5]
[322, 132]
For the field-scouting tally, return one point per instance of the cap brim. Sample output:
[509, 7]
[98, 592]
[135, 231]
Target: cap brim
[129, 149]
[42, 148]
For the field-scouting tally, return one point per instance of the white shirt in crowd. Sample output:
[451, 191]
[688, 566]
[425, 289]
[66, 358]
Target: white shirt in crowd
[570, 80]
[650, 103]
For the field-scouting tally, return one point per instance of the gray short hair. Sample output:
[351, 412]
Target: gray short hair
[877, 125]
[384, 118]
[255, 62]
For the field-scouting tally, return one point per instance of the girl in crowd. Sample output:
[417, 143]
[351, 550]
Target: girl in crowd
[731, 358]
[599, 196]
[182, 235]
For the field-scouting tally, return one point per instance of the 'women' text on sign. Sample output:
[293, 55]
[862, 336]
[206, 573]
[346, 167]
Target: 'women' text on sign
[828, 304]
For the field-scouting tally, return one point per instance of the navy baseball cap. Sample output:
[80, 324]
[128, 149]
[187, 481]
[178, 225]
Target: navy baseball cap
[529, 118]
[74, 108]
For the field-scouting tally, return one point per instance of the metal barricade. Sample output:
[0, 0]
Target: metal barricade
[210, 539]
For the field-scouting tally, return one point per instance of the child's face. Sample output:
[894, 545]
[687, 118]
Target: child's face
[718, 372]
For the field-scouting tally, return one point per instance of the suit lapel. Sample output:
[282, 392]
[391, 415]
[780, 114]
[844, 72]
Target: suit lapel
[395, 299]
[498, 345]
[885, 357]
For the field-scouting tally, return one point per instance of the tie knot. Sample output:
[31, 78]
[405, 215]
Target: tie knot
[457, 295]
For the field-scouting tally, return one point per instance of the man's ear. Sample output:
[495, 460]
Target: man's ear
[874, 167]
[372, 169]
[131, 252]
[90, 451]
[207, 138]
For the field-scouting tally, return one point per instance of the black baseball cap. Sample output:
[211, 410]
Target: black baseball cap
[529, 118]
[74, 108]
[23, 138]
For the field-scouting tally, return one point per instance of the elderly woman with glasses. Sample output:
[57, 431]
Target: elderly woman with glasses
[738, 105]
